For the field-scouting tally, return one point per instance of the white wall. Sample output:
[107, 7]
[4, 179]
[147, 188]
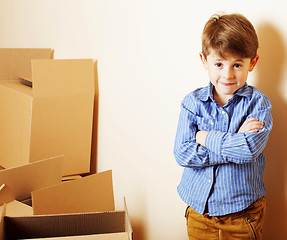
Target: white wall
[147, 52]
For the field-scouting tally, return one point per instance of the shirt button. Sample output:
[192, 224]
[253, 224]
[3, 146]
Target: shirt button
[223, 112]
[209, 181]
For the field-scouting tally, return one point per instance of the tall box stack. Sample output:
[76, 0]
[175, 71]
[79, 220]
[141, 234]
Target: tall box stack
[46, 109]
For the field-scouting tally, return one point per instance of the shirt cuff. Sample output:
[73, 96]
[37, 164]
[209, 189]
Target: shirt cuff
[213, 141]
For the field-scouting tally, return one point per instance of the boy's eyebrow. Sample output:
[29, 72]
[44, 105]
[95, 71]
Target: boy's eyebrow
[222, 59]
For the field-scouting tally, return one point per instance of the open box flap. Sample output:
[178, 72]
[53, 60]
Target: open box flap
[21, 181]
[63, 127]
[16, 208]
[93, 193]
[16, 62]
[63, 77]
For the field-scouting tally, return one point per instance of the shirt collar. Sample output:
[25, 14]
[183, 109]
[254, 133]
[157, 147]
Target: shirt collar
[244, 91]
[207, 92]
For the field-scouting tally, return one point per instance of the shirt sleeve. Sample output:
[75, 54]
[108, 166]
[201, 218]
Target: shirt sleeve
[245, 147]
[187, 152]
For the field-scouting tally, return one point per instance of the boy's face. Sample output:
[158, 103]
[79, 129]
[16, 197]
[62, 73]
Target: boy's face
[227, 74]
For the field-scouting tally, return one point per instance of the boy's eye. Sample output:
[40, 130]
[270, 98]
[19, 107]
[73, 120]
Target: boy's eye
[237, 65]
[218, 64]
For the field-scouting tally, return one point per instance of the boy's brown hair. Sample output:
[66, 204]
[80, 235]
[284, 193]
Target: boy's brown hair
[229, 34]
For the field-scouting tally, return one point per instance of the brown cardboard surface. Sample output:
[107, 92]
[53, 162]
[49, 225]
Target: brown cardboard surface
[21, 181]
[15, 123]
[64, 225]
[2, 215]
[16, 208]
[93, 193]
[53, 117]
[16, 62]
[64, 127]
[71, 177]
[100, 226]
[107, 236]
[49, 74]
[94, 150]
[27, 201]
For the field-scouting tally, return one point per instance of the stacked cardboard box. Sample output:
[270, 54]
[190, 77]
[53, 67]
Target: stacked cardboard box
[77, 209]
[46, 109]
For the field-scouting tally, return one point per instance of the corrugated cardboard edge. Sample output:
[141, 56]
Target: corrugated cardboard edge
[126, 235]
[60, 225]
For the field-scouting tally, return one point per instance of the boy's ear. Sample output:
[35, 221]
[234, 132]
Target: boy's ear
[204, 61]
[253, 63]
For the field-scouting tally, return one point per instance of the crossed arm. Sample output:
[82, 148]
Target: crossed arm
[198, 149]
[251, 125]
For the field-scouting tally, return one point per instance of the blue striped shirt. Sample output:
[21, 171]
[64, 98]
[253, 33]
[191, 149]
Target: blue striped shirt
[226, 175]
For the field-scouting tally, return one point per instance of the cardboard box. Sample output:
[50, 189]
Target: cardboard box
[73, 220]
[15, 63]
[93, 193]
[21, 181]
[107, 236]
[51, 117]
[16, 208]
[113, 225]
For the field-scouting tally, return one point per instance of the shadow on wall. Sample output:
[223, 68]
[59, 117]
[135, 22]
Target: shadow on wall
[270, 71]
[138, 230]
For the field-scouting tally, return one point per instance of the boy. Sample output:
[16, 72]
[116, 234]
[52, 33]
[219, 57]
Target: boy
[222, 131]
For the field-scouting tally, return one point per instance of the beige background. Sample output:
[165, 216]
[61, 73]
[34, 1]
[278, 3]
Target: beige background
[147, 52]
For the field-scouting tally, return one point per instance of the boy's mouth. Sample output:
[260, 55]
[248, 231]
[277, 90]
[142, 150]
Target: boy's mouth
[227, 84]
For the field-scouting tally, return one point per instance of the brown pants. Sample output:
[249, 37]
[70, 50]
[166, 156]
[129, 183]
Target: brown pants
[246, 224]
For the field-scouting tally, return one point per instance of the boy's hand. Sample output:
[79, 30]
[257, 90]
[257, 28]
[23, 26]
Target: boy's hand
[251, 125]
[200, 137]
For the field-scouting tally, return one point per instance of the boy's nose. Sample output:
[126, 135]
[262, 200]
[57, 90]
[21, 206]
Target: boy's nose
[228, 73]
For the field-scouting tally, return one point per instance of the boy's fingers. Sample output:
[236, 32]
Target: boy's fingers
[253, 131]
[256, 126]
[252, 119]
[251, 125]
